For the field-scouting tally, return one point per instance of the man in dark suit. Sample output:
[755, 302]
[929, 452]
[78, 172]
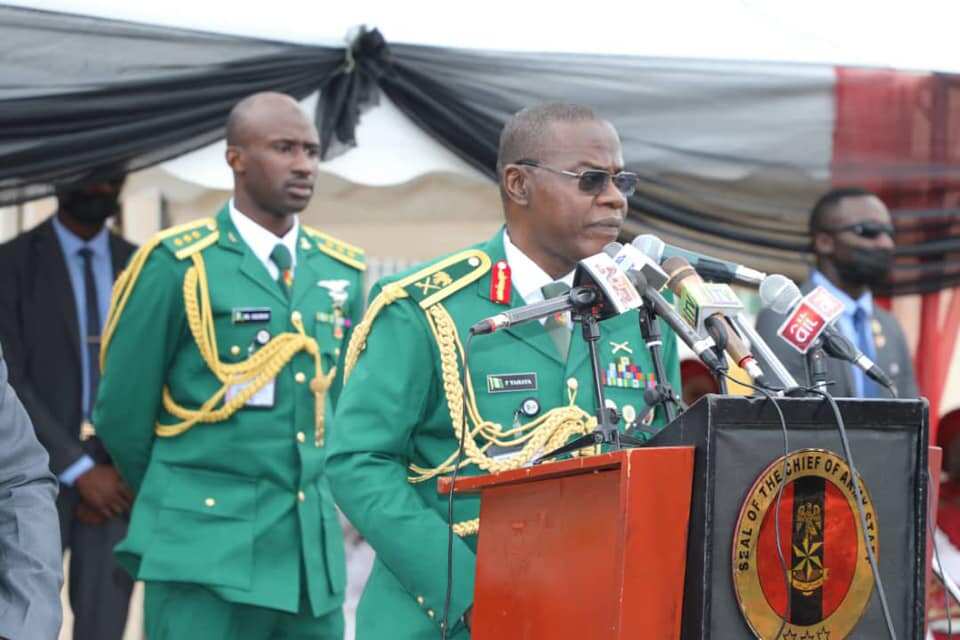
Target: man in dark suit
[55, 285]
[852, 236]
[30, 569]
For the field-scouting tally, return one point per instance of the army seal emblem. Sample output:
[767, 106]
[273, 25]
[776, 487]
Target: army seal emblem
[828, 582]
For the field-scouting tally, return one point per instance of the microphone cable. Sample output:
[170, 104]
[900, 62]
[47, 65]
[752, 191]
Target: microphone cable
[445, 622]
[940, 575]
[783, 485]
[848, 456]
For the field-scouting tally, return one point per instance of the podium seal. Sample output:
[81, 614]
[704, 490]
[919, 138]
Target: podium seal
[828, 581]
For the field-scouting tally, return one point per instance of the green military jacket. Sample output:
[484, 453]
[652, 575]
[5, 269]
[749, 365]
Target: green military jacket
[232, 502]
[393, 421]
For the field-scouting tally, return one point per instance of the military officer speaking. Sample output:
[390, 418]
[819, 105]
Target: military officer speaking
[220, 369]
[397, 423]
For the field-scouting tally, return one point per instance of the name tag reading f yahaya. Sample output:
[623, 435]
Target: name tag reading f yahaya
[263, 398]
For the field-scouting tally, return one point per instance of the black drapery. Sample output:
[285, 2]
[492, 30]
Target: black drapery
[732, 153]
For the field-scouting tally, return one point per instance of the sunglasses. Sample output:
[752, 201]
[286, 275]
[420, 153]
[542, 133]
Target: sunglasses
[867, 229]
[593, 181]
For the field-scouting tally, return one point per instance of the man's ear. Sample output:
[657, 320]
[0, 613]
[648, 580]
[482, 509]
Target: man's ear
[823, 243]
[235, 158]
[515, 185]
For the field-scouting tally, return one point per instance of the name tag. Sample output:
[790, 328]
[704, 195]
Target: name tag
[246, 315]
[263, 398]
[504, 382]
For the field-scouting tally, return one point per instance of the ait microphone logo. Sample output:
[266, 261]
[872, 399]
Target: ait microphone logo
[809, 319]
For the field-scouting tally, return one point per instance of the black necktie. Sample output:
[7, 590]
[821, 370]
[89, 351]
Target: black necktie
[92, 339]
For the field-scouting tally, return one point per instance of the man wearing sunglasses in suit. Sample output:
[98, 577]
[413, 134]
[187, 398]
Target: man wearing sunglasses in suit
[564, 194]
[852, 237]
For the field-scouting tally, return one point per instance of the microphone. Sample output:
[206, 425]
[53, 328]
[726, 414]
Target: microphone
[813, 315]
[576, 297]
[702, 346]
[630, 259]
[711, 269]
[704, 305]
[599, 283]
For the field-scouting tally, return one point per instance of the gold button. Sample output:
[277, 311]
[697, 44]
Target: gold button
[300, 377]
[301, 437]
[430, 612]
[177, 241]
[572, 384]
[295, 317]
[474, 261]
[210, 502]
[629, 413]
[235, 350]
[301, 496]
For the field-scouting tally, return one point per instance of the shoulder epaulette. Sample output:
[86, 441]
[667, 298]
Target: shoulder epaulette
[345, 252]
[435, 282]
[186, 239]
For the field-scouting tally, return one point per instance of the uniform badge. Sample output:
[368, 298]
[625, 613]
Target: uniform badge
[337, 290]
[623, 372]
[500, 286]
[878, 338]
[829, 581]
[337, 320]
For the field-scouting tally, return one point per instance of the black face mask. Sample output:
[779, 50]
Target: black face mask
[90, 208]
[867, 267]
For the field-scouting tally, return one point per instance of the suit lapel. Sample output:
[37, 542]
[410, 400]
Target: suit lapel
[532, 332]
[53, 273]
[250, 265]
[305, 276]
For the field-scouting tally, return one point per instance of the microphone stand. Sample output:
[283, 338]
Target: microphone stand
[606, 431]
[817, 367]
[720, 344]
[662, 392]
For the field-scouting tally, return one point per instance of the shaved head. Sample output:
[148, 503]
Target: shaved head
[274, 152]
[250, 115]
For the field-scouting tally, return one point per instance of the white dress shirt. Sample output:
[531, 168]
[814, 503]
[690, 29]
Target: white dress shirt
[261, 241]
[527, 276]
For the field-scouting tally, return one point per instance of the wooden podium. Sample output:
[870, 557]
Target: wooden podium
[584, 548]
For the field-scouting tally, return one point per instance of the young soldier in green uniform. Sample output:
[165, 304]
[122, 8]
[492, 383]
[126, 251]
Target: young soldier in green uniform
[529, 387]
[221, 364]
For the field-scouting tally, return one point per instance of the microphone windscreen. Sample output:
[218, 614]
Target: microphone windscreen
[779, 293]
[650, 245]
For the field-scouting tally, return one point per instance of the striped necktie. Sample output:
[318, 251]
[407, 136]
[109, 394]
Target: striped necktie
[556, 325]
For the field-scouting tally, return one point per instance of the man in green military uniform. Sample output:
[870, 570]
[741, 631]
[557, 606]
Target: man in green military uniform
[221, 365]
[530, 386]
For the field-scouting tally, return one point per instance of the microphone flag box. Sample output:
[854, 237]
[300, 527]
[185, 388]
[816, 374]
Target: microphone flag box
[809, 319]
[630, 258]
[619, 294]
[699, 300]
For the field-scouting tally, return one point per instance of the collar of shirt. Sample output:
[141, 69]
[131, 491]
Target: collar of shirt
[261, 241]
[72, 243]
[850, 305]
[525, 274]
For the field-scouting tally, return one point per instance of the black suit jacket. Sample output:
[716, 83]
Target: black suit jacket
[41, 337]
[892, 351]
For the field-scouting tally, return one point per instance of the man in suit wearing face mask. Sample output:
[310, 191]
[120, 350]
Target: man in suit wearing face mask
[55, 284]
[852, 236]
